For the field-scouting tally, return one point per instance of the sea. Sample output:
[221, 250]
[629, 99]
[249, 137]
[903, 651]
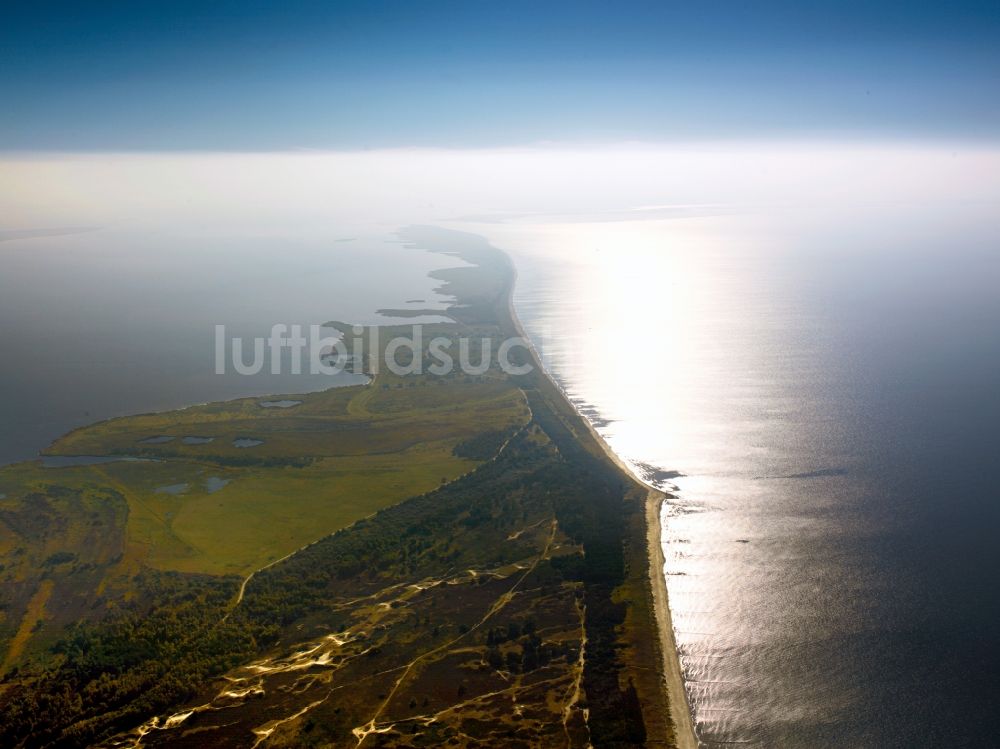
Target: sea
[822, 400]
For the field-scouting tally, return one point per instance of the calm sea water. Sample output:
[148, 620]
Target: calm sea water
[108, 323]
[829, 390]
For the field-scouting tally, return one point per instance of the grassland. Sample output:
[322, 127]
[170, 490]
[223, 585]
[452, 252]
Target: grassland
[213, 508]
[437, 561]
[336, 457]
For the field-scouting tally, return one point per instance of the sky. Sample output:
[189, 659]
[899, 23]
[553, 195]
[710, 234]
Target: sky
[217, 76]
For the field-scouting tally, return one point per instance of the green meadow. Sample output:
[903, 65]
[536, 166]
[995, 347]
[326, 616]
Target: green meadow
[78, 534]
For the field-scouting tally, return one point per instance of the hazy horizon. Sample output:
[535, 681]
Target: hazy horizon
[261, 76]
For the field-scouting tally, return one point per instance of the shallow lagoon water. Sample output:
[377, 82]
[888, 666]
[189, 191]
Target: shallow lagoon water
[244, 442]
[158, 440]
[121, 321]
[214, 484]
[197, 440]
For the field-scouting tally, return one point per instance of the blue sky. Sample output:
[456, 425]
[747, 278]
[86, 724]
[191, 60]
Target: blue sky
[287, 75]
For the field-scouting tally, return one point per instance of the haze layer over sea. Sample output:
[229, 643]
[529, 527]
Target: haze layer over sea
[801, 340]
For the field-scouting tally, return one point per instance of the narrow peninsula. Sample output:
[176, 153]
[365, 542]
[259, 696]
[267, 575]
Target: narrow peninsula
[421, 561]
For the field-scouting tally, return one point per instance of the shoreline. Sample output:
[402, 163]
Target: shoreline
[685, 735]
[680, 710]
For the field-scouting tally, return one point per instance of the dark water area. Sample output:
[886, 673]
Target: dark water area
[108, 323]
[824, 399]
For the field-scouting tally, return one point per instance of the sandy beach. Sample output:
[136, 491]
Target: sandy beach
[680, 712]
